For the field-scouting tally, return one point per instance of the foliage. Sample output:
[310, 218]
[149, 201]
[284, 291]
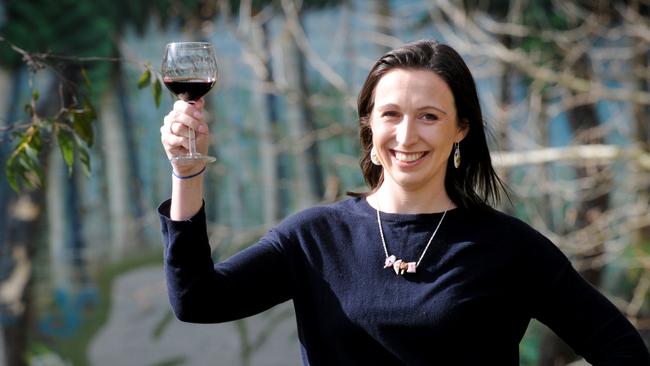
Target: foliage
[43, 32]
[72, 128]
[149, 78]
[44, 37]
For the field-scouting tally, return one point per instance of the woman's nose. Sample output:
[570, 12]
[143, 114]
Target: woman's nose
[406, 131]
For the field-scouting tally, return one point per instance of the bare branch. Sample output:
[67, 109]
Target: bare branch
[253, 56]
[298, 33]
[572, 154]
[523, 62]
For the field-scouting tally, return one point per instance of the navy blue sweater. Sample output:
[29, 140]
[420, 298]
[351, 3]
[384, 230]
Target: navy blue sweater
[483, 278]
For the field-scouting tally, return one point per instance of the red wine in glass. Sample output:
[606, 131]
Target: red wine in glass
[189, 70]
[189, 89]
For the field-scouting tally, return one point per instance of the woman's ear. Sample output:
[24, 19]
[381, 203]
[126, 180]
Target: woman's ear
[463, 130]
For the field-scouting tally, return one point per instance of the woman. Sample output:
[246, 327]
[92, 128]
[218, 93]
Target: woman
[419, 270]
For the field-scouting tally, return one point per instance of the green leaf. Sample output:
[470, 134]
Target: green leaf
[10, 170]
[66, 145]
[31, 151]
[145, 79]
[36, 95]
[29, 144]
[157, 92]
[23, 164]
[82, 125]
[84, 158]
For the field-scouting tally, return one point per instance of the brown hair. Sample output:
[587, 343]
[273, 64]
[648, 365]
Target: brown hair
[474, 183]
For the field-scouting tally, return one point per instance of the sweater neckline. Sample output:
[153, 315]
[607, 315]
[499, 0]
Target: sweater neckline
[362, 203]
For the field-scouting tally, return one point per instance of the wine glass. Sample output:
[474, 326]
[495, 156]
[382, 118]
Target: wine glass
[189, 70]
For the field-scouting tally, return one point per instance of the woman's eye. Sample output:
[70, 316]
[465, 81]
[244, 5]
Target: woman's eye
[389, 114]
[429, 117]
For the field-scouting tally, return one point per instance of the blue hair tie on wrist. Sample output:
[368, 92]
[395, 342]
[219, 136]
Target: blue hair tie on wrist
[188, 176]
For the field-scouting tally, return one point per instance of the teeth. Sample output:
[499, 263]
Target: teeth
[408, 157]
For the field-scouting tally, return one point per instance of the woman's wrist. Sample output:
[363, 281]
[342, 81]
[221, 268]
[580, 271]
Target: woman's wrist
[187, 193]
[188, 175]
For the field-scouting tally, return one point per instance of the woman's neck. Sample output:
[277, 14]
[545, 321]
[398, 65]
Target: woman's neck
[388, 199]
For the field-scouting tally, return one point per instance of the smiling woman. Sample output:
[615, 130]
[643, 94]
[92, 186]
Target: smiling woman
[467, 278]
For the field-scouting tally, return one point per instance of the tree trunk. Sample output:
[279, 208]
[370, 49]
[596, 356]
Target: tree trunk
[132, 162]
[115, 156]
[22, 238]
[307, 171]
[10, 85]
[584, 122]
[15, 271]
[235, 179]
[22, 241]
[65, 225]
[592, 203]
[60, 276]
[266, 117]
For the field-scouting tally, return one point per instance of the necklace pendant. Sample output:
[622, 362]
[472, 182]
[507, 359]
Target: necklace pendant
[411, 267]
[399, 266]
[389, 261]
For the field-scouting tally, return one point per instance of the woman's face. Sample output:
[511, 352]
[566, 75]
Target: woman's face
[414, 128]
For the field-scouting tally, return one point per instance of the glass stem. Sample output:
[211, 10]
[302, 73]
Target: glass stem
[192, 138]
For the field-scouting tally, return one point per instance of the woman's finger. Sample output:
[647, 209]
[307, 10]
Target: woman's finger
[193, 110]
[176, 121]
[170, 138]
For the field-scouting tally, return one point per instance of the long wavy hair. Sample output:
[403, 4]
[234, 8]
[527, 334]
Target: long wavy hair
[475, 183]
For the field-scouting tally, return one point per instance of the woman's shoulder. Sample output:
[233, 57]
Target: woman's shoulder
[349, 209]
[520, 236]
[491, 223]
[491, 218]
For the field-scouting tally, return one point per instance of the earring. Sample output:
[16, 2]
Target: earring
[457, 155]
[374, 157]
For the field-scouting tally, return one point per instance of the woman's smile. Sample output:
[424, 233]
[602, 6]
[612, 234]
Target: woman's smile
[408, 158]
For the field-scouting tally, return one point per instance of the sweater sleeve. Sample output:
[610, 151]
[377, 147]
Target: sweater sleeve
[199, 291]
[579, 314]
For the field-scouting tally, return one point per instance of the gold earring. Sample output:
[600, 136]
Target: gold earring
[374, 157]
[457, 155]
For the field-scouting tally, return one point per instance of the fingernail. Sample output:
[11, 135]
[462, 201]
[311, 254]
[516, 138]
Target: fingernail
[198, 114]
[203, 129]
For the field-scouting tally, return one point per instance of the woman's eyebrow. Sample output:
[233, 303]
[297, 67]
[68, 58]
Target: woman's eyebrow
[393, 105]
[432, 107]
[387, 106]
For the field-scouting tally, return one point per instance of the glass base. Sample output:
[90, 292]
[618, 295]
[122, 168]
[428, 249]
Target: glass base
[193, 158]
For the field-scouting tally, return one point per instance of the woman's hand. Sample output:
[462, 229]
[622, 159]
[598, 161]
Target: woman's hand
[174, 135]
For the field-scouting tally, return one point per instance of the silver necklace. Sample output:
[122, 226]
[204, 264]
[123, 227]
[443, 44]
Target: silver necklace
[399, 265]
